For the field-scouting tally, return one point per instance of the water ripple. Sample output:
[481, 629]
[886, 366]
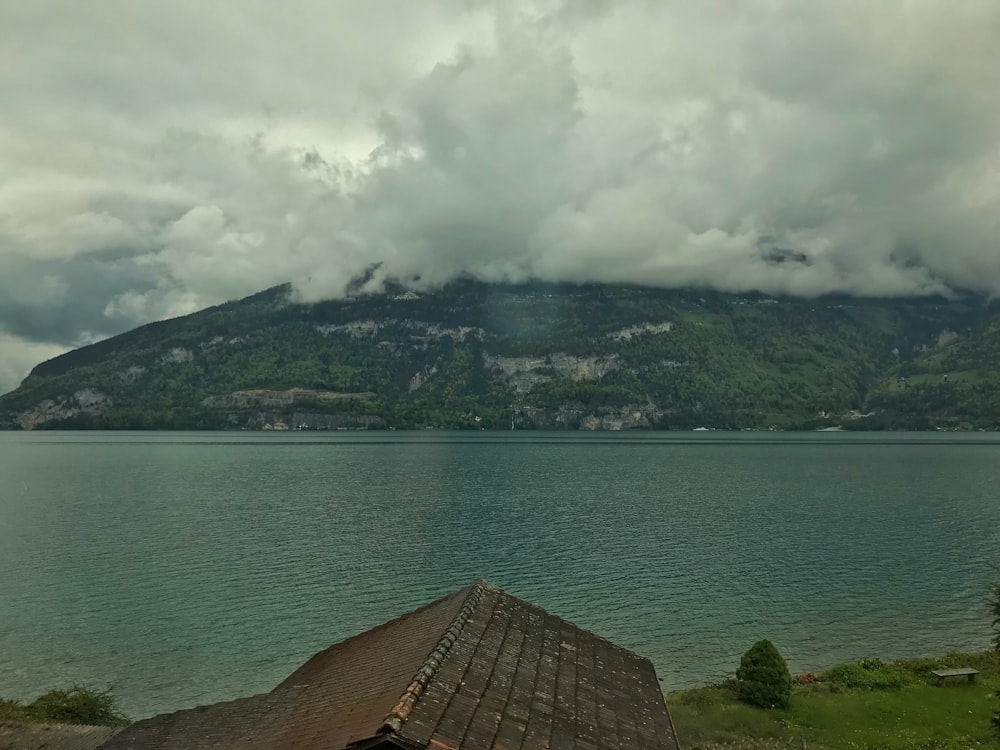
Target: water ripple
[199, 567]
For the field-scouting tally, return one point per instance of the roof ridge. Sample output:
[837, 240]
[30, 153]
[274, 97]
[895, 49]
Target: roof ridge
[404, 706]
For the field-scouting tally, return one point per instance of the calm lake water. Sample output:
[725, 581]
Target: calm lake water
[186, 568]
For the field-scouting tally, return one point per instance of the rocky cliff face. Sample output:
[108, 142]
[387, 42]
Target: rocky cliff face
[84, 403]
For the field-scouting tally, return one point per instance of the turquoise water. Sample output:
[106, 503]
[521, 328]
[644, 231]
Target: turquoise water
[186, 568]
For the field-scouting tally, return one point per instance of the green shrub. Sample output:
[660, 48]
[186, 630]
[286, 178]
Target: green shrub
[995, 609]
[919, 667]
[728, 684]
[11, 710]
[78, 705]
[987, 662]
[873, 664]
[704, 697]
[763, 677]
[857, 677]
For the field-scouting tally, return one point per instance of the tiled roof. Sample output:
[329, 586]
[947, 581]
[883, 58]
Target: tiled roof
[16, 735]
[478, 668]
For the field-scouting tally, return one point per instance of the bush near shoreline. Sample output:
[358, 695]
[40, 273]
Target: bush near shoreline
[868, 704]
[77, 705]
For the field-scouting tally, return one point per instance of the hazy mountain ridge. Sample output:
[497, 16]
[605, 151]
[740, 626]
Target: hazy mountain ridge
[533, 356]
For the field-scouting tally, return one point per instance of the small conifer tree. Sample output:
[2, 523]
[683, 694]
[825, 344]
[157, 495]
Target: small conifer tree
[763, 677]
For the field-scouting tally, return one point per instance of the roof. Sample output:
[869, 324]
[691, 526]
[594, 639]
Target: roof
[17, 735]
[479, 668]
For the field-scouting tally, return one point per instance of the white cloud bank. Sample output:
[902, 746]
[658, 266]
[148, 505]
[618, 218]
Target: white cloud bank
[155, 159]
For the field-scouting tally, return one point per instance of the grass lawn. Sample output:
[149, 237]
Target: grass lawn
[893, 706]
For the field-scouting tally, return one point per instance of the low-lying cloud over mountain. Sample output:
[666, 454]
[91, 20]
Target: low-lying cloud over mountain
[157, 158]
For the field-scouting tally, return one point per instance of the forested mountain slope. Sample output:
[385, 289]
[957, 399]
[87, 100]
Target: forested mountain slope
[533, 356]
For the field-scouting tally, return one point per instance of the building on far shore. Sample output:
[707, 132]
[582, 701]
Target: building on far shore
[476, 669]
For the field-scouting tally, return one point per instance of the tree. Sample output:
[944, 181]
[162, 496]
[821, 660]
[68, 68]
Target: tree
[763, 677]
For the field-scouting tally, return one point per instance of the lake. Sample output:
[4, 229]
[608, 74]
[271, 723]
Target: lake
[185, 568]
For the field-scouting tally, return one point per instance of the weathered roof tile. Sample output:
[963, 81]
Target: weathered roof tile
[18, 735]
[479, 668]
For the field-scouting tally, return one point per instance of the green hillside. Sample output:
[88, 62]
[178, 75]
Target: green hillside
[535, 356]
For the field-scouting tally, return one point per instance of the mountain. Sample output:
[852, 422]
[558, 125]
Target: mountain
[533, 356]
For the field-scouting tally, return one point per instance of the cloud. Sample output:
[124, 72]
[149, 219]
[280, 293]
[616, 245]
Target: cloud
[681, 144]
[157, 159]
[18, 356]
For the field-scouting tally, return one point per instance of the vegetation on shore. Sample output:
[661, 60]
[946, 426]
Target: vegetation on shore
[77, 705]
[867, 704]
[995, 611]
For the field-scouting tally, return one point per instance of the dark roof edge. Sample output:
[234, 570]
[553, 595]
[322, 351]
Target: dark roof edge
[401, 711]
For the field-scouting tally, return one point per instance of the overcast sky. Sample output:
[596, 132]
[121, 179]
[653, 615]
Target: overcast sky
[156, 158]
